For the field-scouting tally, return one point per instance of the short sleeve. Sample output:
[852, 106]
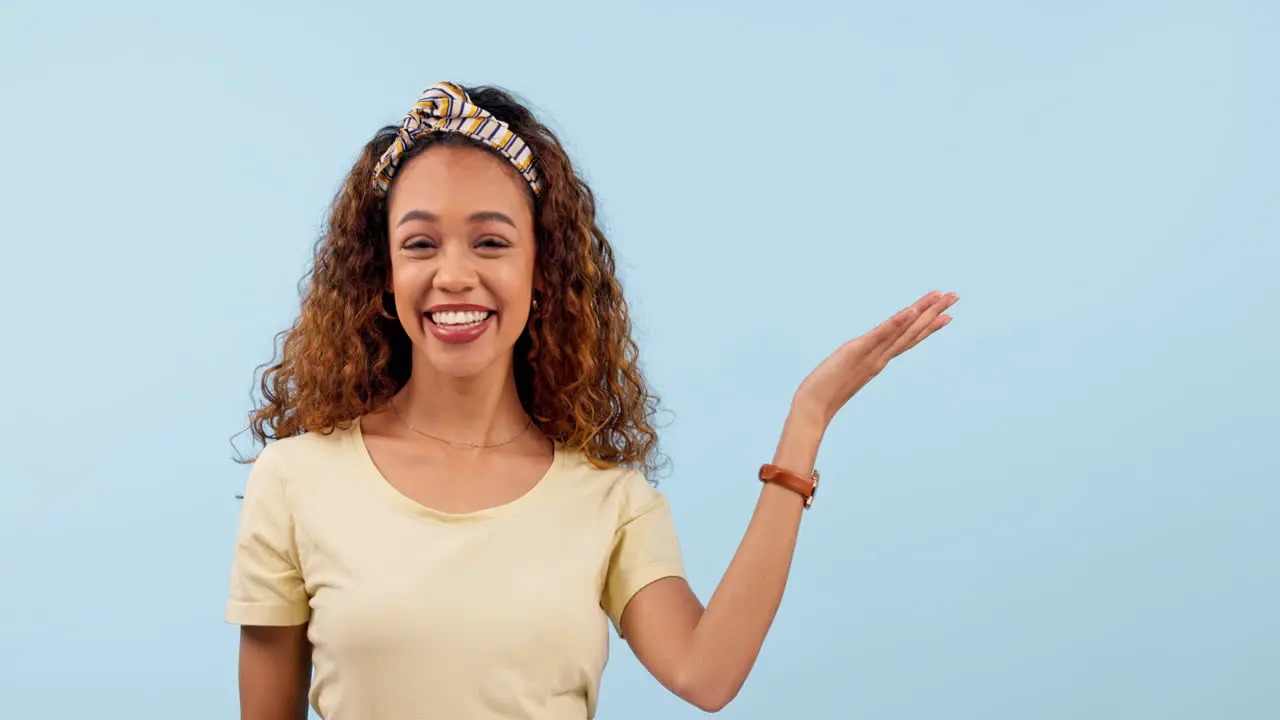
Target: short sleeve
[266, 576]
[645, 546]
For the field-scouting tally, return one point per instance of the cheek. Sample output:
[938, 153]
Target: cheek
[517, 288]
[406, 277]
[406, 286]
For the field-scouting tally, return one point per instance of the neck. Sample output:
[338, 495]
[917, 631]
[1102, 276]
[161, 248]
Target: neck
[480, 410]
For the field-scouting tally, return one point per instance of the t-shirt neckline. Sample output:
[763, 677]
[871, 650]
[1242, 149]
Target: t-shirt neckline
[413, 507]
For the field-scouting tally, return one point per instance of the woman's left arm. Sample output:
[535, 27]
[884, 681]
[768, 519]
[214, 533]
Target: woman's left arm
[705, 655]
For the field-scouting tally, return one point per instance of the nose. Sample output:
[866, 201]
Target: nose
[456, 273]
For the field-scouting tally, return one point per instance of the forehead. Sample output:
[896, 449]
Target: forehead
[451, 179]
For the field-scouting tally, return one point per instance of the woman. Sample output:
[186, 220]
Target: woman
[456, 498]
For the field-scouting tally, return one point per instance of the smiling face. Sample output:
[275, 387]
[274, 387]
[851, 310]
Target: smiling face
[462, 259]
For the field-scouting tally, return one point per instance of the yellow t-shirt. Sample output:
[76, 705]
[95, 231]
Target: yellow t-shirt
[415, 613]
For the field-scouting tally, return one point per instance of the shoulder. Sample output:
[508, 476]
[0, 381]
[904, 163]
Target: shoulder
[305, 453]
[626, 489]
[308, 444]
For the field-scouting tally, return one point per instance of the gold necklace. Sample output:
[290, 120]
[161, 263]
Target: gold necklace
[457, 443]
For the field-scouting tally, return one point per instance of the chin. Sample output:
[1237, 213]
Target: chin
[463, 355]
[460, 368]
[462, 362]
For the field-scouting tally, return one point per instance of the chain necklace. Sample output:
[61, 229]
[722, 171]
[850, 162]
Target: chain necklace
[456, 443]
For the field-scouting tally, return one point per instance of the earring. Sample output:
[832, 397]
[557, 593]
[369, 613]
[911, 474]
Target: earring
[388, 314]
[535, 302]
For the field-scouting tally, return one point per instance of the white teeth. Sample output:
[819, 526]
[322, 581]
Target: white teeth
[459, 318]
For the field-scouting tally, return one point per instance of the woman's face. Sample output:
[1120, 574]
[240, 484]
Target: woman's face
[462, 258]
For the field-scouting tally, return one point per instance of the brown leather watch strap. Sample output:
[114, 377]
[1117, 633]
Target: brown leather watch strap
[806, 487]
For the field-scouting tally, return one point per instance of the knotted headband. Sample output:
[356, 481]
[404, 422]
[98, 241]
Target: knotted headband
[444, 107]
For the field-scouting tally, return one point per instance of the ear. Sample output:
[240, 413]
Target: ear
[539, 281]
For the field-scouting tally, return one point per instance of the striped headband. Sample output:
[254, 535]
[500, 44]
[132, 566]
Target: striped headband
[444, 107]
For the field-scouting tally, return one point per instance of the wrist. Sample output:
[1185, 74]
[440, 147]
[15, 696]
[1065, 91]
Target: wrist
[801, 436]
[808, 414]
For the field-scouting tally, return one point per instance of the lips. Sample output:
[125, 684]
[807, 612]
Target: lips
[457, 324]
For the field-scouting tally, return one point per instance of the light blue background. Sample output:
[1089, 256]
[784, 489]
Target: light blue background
[1066, 505]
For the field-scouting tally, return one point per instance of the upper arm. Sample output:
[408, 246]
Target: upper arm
[267, 586]
[275, 672]
[658, 624]
[645, 593]
[268, 599]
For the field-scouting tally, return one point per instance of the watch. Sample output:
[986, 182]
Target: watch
[806, 487]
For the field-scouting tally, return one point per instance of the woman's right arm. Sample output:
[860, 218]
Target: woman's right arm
[275, 672]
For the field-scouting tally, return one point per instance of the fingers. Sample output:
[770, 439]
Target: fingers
[926, 301]
[890, 330]
[928, 321]
[937, 325]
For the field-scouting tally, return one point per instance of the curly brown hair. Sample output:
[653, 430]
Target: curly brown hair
[575, 364]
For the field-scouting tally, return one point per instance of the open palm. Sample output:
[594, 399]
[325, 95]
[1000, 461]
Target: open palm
[846, 371]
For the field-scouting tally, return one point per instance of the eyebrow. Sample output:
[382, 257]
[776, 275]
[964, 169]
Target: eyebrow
[476, 217]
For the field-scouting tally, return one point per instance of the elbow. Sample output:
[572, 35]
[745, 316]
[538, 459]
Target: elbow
[712, 702]
[708, 695]
[714, 706]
